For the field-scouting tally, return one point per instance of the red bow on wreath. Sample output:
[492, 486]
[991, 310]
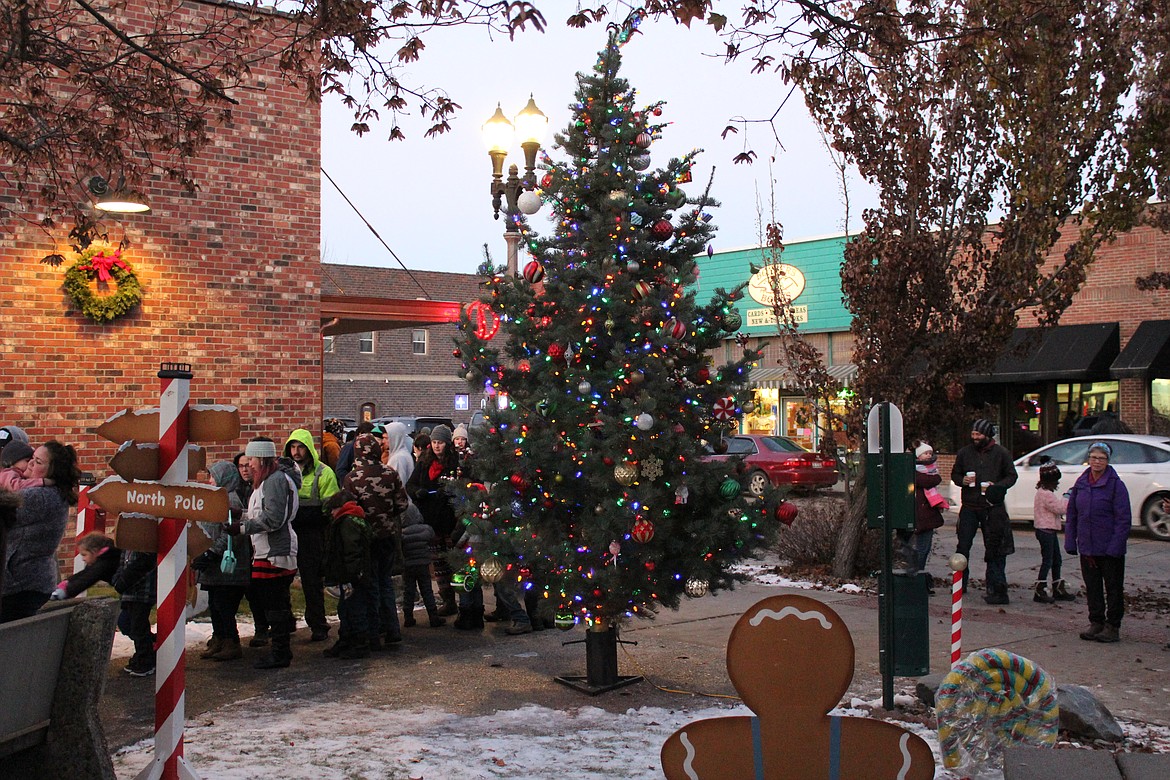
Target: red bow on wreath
[102, 263]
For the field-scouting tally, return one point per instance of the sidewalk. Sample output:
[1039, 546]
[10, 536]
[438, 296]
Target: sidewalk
[683, 652]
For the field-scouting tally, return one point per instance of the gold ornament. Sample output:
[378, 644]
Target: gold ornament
[625, 473]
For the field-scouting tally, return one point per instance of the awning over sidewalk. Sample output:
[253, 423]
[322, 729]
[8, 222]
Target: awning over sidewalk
[1072, 353]
[1147, 355]
[779, 377]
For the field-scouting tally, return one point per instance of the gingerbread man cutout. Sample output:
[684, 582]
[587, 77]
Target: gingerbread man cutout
[791, 660]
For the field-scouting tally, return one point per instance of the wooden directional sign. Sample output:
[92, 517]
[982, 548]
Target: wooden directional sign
[139, 462]
[140, 534]
[205, 423]
[192, 501]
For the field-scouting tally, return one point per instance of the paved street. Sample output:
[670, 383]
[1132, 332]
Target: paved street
[683, 654]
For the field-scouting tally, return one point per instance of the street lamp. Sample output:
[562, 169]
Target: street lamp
[498, 132]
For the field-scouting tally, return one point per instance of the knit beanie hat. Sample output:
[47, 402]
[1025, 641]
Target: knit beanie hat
[460, 431]
[1050, 472]
[441, 433]
[923, 450]
[985, 427]
[12, 433]
[260, 449]
[14, 451]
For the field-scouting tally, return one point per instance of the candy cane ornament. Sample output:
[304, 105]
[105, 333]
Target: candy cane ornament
[958, 564]
[170, 661]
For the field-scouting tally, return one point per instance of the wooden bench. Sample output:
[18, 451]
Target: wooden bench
[52, 672]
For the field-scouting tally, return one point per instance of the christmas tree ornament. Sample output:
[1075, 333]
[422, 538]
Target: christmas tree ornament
[564, 621]
[642, 532]
[640, 162]
[636, 378]
[748, 407]
[696, 588]
[609, 325]
[617, 198]
[730, 488]
[466, 579]
[731, 321]
[651, 467]
[662, 229]
[643, 140]
[584, 388]
[546, 181]
[533, 272]
[703, 374]
[786, 512]
[529, 202]
[556, 352]
[675, 329]
[724, 409]
[519, 482]
[641, 290]
[682, 494]
[644, 422]
[615, 549]
[484, 321]
[543, 407]
[636, 219]
[456, 353]
[523, 366]
[625, 473]
[676, 198]
[679, 428]
[491, 570]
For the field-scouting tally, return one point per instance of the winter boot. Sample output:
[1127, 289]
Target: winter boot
[497, 615]
[1093, 631]
[1041, 594]
[435, 620]
[1060, 592]
[214, 645]
[259, 639]
[229, 650]
[1109, 634]
[470, 619]
[447, 594]
[997, 594]
[532, 607]
[280, 627]
[408, 616]
[338, 647]
[358, 648]
[518, 628]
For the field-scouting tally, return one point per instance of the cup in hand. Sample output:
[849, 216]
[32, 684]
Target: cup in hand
[969, 479]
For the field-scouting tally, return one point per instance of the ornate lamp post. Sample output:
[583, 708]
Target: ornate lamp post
[515, 194]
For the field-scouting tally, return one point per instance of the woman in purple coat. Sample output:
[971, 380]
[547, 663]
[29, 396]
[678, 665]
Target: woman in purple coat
[1097, 527]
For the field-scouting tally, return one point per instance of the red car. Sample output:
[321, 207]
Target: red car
[780, 460]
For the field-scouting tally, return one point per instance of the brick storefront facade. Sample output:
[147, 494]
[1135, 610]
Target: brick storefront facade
[231, 279]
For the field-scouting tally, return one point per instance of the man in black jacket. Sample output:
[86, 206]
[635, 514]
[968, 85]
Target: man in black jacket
[981, 465]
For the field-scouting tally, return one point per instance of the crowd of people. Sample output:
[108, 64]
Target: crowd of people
[369, 508]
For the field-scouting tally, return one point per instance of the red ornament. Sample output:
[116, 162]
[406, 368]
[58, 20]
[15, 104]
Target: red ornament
[649, 565]
[546, 181]
[456, 353]
[786, 512]
[724, 409]
[523, 367]
[519, 482]
[641, 290]
[675, 329]
[657, 112]
[642, 532]
[662, 229]
[703, 374]
[643, 140]
[607, 460]
[556, 352]
[485, 321]
[533, 272]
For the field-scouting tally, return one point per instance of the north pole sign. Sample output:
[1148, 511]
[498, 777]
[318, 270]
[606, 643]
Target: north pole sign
[139, 462]
[193, 501]
[205, 422]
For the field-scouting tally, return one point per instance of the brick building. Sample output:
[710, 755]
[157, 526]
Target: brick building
[231, 279]
[381, 363]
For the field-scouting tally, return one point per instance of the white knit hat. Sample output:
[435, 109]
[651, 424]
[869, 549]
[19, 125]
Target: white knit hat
[260, 449]
[460, 430]
[923, 450]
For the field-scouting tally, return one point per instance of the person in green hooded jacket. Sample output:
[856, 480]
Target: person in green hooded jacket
[318, 485]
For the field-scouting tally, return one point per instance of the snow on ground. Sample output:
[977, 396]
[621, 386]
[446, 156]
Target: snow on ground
[768, 574]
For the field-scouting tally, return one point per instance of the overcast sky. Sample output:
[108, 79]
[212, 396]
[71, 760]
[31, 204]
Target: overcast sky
[429, 198]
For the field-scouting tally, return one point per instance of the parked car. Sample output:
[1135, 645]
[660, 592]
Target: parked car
[779, 460]
[1142, 462]
[413, 424]
[349, 423]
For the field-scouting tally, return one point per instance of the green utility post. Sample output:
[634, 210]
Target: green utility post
[890, 507]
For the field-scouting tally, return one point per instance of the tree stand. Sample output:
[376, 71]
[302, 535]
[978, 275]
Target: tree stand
[601, 665]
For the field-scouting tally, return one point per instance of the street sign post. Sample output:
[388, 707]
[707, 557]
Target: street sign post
[139, 461]
[188, 501]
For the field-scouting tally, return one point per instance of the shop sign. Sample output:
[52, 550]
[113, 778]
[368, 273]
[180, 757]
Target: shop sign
[762, 317]
[764, 283]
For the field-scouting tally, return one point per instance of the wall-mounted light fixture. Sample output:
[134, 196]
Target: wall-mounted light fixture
[117, 200]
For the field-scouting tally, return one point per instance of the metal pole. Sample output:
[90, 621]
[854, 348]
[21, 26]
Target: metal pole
[886, 579]
[512, 237]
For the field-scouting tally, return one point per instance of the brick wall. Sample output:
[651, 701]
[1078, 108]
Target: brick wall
[232, 285]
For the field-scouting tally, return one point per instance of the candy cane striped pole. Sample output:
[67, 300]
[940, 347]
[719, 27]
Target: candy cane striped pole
[958, 564]
[85, 518]
[170, 662]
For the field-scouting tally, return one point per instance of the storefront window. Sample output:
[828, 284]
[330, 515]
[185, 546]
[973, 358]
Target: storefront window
[762, 420]
[1160, 396]
[1080, 405]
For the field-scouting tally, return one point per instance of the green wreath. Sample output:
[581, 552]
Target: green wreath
[91, 263]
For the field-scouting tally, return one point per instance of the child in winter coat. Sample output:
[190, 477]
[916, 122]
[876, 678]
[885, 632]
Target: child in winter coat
[14, 460]
[101, 559]
[416, 570]
[928, 509]
[1048, 510]
[135, 580]
[224, 571]
[347, 566]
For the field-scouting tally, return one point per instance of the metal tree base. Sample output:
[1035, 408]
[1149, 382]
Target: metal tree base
[601, 665]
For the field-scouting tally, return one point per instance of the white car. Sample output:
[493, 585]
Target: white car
[1142, 462]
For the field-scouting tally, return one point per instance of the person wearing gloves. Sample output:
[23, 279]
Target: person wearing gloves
[225, 570]
[100, 557]
[1098, 523]
[268, 520]
[318, 484]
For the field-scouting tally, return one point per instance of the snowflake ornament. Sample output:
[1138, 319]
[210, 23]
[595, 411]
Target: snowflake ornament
[651, 468]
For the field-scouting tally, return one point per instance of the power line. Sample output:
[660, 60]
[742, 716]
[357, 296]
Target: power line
[375, 232]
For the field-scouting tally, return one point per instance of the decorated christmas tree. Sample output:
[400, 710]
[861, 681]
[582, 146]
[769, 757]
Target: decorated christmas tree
[597, 492]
